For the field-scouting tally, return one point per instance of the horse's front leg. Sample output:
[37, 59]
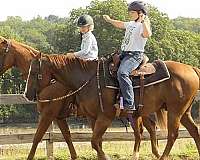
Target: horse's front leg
[101, 124]
[136, 124]
[92, 124]
[44, 123]
[62, 123]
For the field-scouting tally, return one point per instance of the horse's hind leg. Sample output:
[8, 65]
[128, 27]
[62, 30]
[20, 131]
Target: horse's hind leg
[101, 124]
[151, 128]
[173, 126]
[62, 123]
[189, 124]
[43, 125]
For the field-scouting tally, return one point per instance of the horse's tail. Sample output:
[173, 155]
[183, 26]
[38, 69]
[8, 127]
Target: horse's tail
[162, 119]
[197, 70]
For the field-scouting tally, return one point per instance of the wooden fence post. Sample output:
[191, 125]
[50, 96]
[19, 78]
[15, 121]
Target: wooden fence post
[49, 143]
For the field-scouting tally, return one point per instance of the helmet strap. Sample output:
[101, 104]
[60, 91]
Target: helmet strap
[138, 16]
[81, 34]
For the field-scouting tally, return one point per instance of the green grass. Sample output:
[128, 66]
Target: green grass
[183, 149]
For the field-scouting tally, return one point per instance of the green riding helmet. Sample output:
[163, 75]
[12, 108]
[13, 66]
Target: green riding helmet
[85, 20]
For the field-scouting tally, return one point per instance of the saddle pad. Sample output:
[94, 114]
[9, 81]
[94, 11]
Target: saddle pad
[161, 74]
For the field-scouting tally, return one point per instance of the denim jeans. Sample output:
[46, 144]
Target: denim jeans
[129, 62]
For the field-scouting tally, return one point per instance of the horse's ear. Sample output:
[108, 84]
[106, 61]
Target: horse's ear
[3, 40]
[39, 55]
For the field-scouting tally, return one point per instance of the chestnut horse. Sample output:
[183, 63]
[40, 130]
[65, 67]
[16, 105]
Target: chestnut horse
[175, 94]
[16, 54]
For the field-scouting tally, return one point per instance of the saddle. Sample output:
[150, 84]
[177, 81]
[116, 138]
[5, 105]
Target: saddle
[144, 68]
[145, 75]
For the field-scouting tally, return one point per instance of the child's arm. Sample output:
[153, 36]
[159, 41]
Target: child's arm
[116, 23]
[146, 27]
[85, 49]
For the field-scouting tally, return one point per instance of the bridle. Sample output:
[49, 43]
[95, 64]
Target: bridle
[5, 51]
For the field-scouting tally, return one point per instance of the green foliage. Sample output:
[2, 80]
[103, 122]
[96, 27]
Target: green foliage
[160, 23]
[107, 36]
[190, 24]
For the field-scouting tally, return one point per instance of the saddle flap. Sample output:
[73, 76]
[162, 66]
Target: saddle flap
[145, 70]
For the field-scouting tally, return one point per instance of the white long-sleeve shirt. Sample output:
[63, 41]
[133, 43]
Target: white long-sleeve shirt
[89, 48]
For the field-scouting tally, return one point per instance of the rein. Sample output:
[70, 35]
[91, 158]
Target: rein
[67, 95]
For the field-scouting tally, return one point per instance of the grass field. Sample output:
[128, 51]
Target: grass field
[184, 149]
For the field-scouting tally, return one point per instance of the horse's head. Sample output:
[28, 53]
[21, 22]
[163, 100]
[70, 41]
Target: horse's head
[6, 57]
[39, 77]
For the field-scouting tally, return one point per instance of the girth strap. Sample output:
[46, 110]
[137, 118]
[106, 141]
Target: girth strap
[99, 87]
[141, 92]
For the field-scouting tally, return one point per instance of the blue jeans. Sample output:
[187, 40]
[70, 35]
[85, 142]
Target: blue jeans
[129, 62]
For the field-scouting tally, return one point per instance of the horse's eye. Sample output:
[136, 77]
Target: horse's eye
[33, 73]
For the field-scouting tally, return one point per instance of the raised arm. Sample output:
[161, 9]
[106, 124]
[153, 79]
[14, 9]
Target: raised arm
[146, 27]
[116, 23]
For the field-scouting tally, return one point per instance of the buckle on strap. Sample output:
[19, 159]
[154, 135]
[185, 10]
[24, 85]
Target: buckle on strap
[132, 52]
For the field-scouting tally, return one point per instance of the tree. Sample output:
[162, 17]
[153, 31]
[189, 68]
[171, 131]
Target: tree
[190, 24]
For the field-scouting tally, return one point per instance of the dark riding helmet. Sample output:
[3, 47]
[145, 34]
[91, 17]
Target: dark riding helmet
[85, 20]
[137, 6]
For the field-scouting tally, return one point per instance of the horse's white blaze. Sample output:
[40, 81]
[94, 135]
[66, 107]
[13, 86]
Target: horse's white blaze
[26, 88]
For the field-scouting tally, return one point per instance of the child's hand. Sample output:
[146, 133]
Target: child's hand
[107, 18]
[71, 55]
[141, 17]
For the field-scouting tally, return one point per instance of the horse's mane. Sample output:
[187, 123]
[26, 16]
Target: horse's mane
[32, 50]
[61, 60]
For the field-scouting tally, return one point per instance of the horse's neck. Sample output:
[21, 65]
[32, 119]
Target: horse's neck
[23, 58]
[75, 73]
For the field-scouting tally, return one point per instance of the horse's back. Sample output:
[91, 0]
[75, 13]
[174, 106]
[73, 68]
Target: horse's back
[184, 79]
[181, 70]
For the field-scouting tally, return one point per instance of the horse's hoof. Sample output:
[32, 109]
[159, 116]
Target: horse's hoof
[107, 157]
[164, 158]
[135, 155]
[74, 158]
[104, 157]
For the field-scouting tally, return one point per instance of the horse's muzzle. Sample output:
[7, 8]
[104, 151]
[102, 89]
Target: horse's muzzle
[30, 96]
